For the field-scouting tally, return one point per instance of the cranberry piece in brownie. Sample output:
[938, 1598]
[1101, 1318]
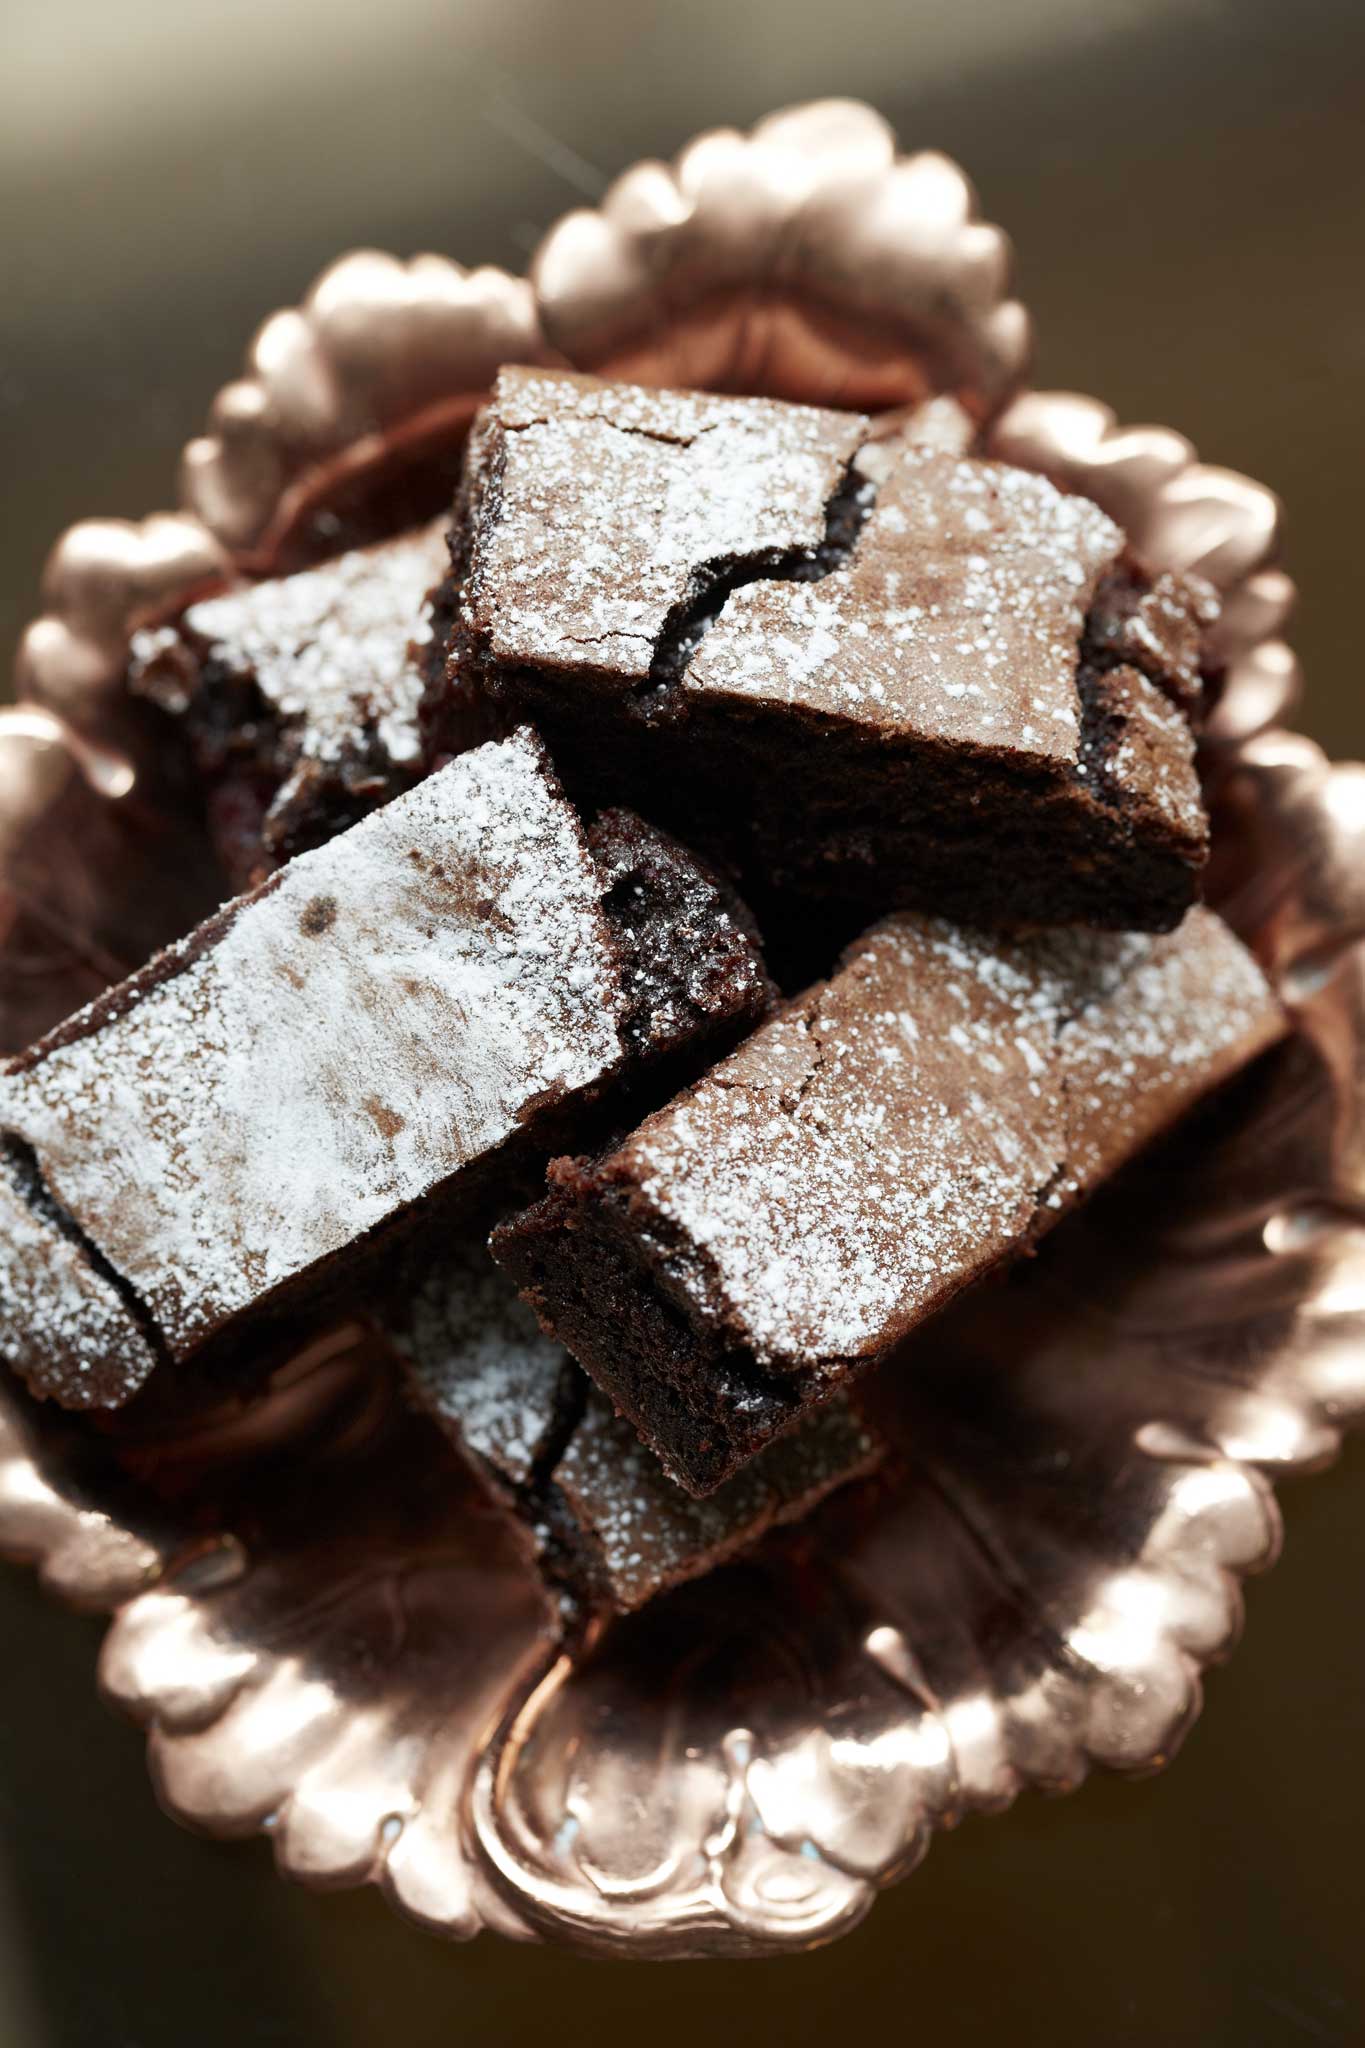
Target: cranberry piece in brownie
[412, 1011]
[912, 676]
[882, 1142]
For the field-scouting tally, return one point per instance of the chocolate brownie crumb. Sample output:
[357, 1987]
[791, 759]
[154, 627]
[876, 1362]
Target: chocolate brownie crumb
[691, 960]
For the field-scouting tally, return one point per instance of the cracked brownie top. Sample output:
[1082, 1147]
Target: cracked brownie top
[887, 657]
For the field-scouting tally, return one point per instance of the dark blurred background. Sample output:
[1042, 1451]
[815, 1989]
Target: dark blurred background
[1185, 182]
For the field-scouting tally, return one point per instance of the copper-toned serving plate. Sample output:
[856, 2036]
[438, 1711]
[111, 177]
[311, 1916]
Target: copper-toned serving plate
[328, 1634]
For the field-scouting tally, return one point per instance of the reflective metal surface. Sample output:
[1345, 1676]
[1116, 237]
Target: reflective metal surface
[327, 1635]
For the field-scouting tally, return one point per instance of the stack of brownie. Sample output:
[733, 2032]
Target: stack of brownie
[493, 1048]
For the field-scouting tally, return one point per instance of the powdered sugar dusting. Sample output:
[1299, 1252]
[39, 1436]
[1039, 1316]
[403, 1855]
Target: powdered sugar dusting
[895, 1133]
[612, 499]
[1153, 763]
[332, 650]
[648, 1534]
[938, 422]
[1163, 633]
[958, 616]
[481, 1363]
[381, 1016]
[1190, 1009]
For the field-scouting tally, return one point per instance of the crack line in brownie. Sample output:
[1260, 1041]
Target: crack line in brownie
[638, 429]
[1102, 727]
[688, 624]
[28, 1177]
[573, 1402]
[715, 598]
[1056, 1180]
[811, 1027]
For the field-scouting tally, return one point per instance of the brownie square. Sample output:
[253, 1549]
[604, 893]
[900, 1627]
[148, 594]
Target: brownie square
[407, 1015]
[882, 1142]
[896, 673]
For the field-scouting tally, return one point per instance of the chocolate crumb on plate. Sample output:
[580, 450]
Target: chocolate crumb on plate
[883, 1141]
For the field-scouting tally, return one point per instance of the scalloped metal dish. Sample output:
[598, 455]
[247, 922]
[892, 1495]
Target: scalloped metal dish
[328, 1634]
